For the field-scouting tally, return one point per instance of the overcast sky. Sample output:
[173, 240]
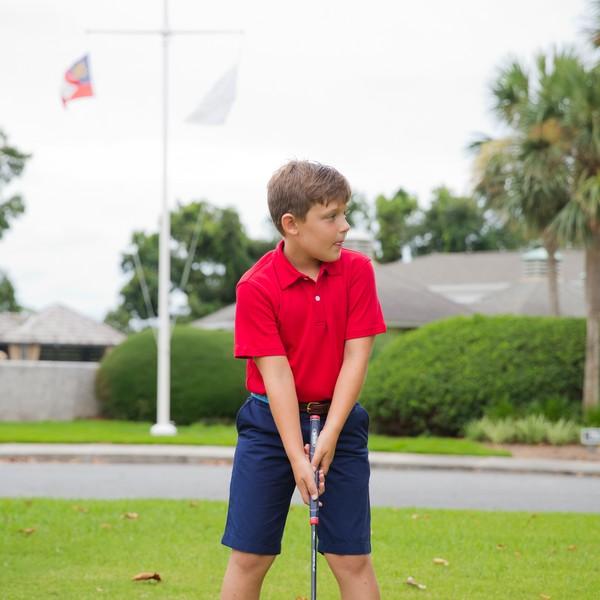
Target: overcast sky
[389, 92]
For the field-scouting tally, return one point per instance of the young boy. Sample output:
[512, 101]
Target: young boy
[306, 316]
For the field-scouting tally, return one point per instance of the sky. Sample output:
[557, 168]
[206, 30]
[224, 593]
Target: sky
[388, 92]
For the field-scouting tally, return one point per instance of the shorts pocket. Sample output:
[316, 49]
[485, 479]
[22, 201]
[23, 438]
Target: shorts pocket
[239, 412]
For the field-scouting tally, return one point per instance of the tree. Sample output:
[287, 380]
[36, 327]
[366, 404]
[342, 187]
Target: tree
[526, 175]
[393, 228]
[459, 224]
[560, 118]
[12, 163]
[8, 302]
[205, 281]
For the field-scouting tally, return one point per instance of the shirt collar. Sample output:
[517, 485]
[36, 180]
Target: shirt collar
[288, 274]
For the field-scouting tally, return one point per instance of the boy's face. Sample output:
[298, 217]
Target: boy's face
[323, 231]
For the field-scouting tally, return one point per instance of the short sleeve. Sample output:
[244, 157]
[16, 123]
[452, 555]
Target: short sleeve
[365, 316]
[256, 332]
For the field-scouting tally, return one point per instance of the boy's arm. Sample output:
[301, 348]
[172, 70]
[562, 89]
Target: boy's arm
[281, 390]
[347, 388]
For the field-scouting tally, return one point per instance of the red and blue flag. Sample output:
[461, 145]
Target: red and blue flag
[77, 83]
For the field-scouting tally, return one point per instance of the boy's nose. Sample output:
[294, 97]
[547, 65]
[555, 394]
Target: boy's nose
[346, 226]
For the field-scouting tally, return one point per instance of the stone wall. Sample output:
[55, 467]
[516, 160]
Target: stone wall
[47, 390]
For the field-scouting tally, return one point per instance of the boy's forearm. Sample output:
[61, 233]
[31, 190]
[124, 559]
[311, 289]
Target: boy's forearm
[349, 382]
[283, 401]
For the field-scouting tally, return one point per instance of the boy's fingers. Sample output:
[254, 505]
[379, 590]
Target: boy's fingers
[312, 489]
[304, 493]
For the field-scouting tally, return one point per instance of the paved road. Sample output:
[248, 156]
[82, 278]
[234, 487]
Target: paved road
[400, 488]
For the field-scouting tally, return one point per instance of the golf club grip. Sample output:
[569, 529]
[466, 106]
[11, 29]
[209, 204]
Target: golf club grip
[315, 421]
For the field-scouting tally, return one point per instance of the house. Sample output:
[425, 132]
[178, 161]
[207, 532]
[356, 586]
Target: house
[53, 358]
[56, 333]
[440, 285]
[490, 282]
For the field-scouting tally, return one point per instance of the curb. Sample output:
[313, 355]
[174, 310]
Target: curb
[223, 455]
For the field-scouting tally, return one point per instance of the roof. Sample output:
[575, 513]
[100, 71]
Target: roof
[533, 298]
[58, 324]
[223, 318]
[407, 303]
[458, 268]
[10, 320]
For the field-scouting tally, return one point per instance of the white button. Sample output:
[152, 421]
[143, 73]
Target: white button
[317, 298]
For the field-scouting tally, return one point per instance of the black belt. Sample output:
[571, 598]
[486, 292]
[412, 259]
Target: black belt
[315, 408]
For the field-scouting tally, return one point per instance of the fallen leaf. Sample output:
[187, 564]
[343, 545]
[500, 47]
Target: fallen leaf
[440, 561]
[146, 577]
[130, 515]
[99, 590]
[301, 598]
[517, 554]
[411, 581]
[572, 547]
[193, 504]
[415, 516]
[27, 530]
[80, 509]
[545, 597]
[106, 526]
[500, 546]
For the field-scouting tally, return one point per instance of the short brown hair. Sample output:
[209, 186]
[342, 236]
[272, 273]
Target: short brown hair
[299, 184]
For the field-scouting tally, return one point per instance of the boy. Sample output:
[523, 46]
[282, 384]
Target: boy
[306, 316]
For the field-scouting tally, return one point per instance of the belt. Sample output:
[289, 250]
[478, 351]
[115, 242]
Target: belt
[312, 408]
[315, 408]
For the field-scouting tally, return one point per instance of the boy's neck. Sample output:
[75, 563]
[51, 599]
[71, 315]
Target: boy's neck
[301, 261]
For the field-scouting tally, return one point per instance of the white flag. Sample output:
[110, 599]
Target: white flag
[217, 103]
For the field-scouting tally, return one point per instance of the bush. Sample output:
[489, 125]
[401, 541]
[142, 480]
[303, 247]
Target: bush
[533, 429]
[436, 379]
[591, 417]
[206, 381]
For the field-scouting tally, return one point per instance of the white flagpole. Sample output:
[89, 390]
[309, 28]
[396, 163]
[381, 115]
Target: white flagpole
[163, 425]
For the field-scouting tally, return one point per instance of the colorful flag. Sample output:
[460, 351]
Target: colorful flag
[217, 103]
[77, 83]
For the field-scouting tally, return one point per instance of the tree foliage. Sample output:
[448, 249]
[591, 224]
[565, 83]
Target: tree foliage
[12, 163]
[460, 224]
[223, 252]
[393, 229]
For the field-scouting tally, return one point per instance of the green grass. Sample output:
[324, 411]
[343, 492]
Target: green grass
[492, 555]
[128, 432]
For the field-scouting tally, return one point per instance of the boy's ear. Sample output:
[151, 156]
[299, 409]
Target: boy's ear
[289, 224]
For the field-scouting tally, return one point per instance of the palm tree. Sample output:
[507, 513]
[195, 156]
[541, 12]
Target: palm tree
[526, 175]
[579, 220]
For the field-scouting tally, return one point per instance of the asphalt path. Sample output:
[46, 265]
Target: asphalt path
[389, 487]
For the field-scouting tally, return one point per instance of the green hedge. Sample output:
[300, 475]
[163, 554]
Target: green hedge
[206, 381]
[441, 376]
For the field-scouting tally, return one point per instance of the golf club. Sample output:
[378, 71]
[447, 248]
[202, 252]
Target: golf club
[315, 422]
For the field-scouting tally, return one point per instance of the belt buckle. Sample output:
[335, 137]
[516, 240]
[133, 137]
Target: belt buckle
[308, 410]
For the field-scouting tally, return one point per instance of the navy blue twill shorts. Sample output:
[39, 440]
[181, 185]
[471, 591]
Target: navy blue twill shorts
[262, 484]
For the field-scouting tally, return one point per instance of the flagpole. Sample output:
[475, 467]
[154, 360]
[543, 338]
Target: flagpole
[163, 425]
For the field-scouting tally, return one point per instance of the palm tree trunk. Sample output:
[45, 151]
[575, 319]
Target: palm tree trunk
[551, 246]
[591, 383]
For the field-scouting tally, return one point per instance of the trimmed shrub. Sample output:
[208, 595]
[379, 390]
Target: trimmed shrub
[206, 381]
[436, 379]
[533, 429]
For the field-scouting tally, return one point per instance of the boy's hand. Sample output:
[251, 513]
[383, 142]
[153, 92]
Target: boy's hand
[325, 450]
[304, 475]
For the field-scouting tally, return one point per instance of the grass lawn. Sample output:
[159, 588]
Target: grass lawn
[86, 549]
[127, 432]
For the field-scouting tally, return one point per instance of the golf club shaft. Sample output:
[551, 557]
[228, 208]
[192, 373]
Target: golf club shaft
[314, 508]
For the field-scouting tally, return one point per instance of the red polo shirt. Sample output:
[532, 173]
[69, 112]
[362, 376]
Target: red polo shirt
[282, 312]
